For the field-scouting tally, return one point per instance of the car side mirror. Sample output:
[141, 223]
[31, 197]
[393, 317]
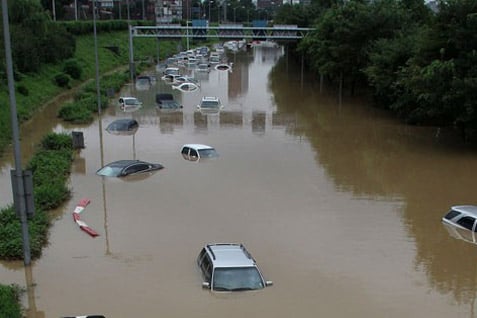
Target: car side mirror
[206, 285]
[268, 283]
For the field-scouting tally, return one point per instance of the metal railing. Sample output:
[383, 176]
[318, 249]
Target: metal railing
[235, 31]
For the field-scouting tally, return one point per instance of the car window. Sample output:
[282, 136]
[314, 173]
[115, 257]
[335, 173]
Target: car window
[467, 222]
[206, 267]
[136, 168]
[185, 151]
[451, 214]
[193, 153]
[207, 153]
[238, 278]
[133, 125]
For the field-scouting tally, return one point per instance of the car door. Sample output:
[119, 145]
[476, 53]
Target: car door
[185, 153]
[205, 265]
[193, 155]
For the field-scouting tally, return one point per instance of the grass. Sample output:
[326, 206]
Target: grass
[40, 87]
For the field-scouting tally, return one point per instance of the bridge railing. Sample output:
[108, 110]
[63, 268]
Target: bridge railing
[228, 31]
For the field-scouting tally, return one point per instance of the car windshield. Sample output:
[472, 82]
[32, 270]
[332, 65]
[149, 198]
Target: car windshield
[108, 171]
[170, 104]
[209, 104]
[237, 279]
[131, 101]
[207, 153]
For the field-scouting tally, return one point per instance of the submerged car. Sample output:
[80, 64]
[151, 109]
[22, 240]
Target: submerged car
[169, 104]
[462, 217]
[186, 87]
[229, 267]
[123, 126]
[160, 97]
[122, 168]
[129, 103]
[194, 152]
[208, 103]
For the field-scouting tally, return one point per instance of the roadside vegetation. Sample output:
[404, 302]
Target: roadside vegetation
[10, 301]
[416, 61]
[51, 58]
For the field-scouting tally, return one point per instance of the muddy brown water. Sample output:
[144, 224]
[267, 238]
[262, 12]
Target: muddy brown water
[339, 203]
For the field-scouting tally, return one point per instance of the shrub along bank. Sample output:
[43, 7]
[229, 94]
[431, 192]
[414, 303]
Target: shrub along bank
[50, 166]
[10, 301]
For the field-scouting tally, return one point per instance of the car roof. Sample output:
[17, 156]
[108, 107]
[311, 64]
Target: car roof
[124, 120]
[197, 146]
[124, 163]
[230, 255]
[466, 209]
[210, 98]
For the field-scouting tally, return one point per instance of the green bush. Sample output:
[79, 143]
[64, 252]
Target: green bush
[11, 244]
[75, 113]
[62, 80]
[72, 68]
[50, 196]
[10, 301]
[51, 166]
[56, 141]
[23, 90]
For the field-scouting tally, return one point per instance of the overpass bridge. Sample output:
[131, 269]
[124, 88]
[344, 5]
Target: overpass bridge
[280, 33]
[224, 32]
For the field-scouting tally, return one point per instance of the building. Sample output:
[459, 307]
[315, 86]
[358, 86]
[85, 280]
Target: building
[169, 11]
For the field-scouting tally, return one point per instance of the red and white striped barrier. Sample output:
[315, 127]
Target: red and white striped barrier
[76, 217]
[90, 316]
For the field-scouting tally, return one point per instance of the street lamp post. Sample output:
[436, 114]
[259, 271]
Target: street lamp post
[17, 177]
[53, 9]
[210, 20]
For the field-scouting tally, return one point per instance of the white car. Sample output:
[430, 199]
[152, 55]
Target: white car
[229, 267]
[461, 222]
[186, 87]
[129, 103]
[194, 152]
[209, 103]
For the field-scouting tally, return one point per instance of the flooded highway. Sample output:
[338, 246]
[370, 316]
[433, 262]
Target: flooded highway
[339, 203]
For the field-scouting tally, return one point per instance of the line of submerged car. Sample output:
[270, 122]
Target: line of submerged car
[225, 267]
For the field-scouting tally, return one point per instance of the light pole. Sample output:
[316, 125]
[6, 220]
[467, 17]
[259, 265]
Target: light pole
[210, 20]
[53, 9]
[96, 59]
[17, 174]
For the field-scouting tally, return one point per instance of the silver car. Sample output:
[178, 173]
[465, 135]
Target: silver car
[463, 217]
[229, 267]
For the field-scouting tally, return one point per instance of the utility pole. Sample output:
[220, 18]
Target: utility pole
[53, 9]
[22, 205]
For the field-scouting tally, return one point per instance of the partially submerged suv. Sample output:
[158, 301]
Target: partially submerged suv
[229, 267]
[194, 152]
[462, 216]
[210, 103]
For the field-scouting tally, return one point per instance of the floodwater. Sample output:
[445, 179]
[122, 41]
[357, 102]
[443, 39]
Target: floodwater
[339, 203]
